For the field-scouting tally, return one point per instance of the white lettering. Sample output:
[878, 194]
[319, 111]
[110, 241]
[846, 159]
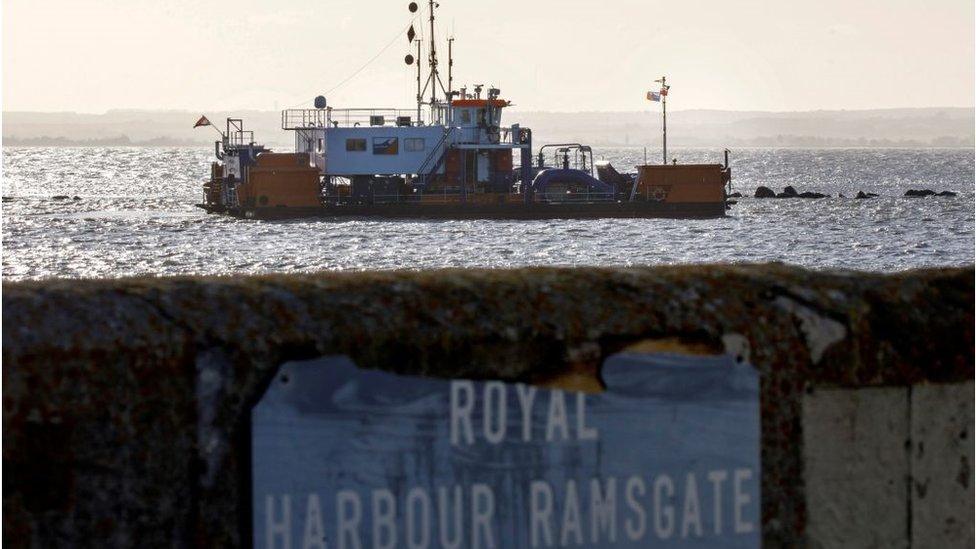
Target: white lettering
[741, 499]
[384, 519]
[717, 478]
[418, 510]
[582, 431]
[603, 509]
[448, 542]
[663, 513]
[571, 516]
[691, 513]
[482, 513]
[461, 413]
[541, 512]
[277, 528]
[526, 396]
[557, 416]
[349, 511]
[314, 530]
[496, 402]
[635, 529]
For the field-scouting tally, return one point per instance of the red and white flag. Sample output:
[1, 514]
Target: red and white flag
[202, 122]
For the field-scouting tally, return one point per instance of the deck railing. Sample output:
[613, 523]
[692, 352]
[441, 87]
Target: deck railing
[454, 196]
[295, 119]
[240, 138]
[555, 197]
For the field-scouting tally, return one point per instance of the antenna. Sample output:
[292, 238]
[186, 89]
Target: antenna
[420, 96]
[664, 114]
[433, 55]
[433, 80]
[450, 68]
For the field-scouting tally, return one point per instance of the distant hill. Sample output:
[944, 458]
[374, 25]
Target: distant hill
[922, 127]
[928, 127]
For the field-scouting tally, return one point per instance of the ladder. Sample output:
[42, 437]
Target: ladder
[436, 158]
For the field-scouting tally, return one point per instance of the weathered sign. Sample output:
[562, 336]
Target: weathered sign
[668, 455]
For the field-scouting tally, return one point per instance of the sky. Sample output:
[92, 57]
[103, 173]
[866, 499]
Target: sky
[545, 55]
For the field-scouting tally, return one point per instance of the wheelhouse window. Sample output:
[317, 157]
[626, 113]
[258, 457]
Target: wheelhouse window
[355, 145]
[414, 144]
[320, 146]
[465, 115]
[386, 145]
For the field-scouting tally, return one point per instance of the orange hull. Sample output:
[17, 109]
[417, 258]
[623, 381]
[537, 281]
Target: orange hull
[281, 180]
[683, 183]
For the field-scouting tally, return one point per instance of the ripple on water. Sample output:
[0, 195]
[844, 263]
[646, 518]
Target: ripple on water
[136, 216]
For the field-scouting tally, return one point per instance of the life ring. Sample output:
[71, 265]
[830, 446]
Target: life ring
[659, 194]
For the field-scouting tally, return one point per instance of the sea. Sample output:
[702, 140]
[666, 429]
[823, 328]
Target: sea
[120, 212]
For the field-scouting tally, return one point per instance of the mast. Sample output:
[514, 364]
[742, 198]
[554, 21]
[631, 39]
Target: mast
[420, 97]
[433, 58]
[450, 68]
[664, 116]
[433, 79]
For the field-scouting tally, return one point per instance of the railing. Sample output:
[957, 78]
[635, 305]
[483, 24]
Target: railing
[394, 198]
[453, 195]
[294, 119]
[447, 195]
[508, 135]
[575, 197]
[240, 138]
[471, 136]
[230, 197]
[432, 162]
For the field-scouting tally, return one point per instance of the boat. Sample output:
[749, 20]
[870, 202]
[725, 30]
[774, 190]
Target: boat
[450, 157]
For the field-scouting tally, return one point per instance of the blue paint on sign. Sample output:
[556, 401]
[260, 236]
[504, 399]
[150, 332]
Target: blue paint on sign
[668, 455]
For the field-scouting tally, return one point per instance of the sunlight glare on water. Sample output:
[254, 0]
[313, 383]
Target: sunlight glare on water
[135, 215]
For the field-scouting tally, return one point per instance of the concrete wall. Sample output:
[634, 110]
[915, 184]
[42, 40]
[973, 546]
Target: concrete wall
[125, 401]
[889, 467]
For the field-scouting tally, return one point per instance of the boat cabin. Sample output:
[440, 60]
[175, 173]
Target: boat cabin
[457, 143]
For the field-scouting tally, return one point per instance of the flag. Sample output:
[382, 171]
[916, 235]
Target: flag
[202, 122]
[653, 96]
[664, 91]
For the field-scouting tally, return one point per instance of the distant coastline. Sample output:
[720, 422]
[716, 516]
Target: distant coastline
[950, 127]
[784, 142]
[120, 141]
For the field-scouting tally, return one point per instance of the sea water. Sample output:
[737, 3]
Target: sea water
[134, 215]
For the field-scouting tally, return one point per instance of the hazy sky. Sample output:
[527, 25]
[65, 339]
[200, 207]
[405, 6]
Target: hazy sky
[90, 56]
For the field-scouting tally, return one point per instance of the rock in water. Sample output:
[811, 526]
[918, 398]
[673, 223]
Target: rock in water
[947, 193]
[809, 194]
[765, 192]
[788, 192]
[735, 195]
[862, 195]
[922, 192]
